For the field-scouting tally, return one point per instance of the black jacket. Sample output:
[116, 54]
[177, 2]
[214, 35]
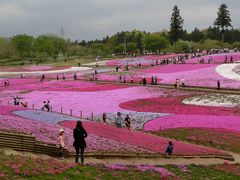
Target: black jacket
[79, 136]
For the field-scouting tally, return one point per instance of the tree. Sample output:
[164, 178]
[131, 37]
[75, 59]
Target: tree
[223, 20]
[196, 35]
[23, 44]
[176, 23]
[155, 42]
[44, 45]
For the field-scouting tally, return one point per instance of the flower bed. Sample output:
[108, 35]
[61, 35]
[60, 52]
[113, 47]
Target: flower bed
[197, 121]
[89, 102]
[73, 86]
[173, 68]
[142, 140]
[174, 105]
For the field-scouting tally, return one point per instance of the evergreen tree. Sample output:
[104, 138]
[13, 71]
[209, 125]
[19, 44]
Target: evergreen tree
[223, 20]
[176, 25]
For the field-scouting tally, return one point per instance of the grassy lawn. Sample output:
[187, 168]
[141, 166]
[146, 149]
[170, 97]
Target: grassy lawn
[18, 167]
[216, 138]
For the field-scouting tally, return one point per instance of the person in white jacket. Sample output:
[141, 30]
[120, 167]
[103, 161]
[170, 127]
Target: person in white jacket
[61, 141]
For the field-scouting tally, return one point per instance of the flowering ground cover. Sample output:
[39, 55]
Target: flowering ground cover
[173, 68]
[137, 119]
[54, 85]
[174, 105]
[89, 102]
[229, 122]
[139, 139]
[223, 139]
[218, 58]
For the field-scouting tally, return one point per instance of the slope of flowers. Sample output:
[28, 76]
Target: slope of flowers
[174, 105]
[54, 85]
[89, 102]
[142, 140]
[198, 121]
[173, 68]
[218, 58]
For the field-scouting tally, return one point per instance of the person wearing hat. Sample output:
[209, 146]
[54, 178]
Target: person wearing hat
[61, 141]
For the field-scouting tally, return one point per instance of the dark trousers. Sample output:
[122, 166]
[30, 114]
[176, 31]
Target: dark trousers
[77, 154]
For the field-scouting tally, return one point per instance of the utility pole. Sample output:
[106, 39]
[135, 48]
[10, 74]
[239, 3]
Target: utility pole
[124, 45]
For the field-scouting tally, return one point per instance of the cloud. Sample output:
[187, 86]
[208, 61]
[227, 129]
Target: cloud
[91, 19]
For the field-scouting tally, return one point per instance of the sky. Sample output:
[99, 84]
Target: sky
[94, 19]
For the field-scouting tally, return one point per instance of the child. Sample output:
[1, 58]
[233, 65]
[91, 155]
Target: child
[61, 142]
[169, 150]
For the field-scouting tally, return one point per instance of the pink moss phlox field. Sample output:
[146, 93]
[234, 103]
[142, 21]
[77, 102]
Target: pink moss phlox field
[217, 58]
[173, 68]
[142, 140]
[194, 121]
[60, 85]
[147, 167]
[174, 105]
[89, 102]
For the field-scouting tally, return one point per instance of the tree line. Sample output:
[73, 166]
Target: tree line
[220, 34]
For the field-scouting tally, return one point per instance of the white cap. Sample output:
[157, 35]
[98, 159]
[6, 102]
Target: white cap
[61, 130]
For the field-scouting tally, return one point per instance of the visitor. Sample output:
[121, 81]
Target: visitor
[127, 121]
[152, 80]
[124, 79]
[169, 150]
[119, 120]
[61, 141]
[140, 81]
[155, 80]
[75, 76]
[95, 72]
[63, 76]
[79, 135]
[104, 118]
[183, 82]
[43, 76]
[132, 79]
[231, 59]
[24, 104]
[225, 61]
[5, 83]
[17, 101]
[47, 106]
[175, 85]
[218, 85]
[57, 77]
[144, 81]
[117, 67]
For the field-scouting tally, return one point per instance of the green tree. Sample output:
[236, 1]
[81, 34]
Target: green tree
[223, 20]
[176, 25]
[196, 35]
[23, 44]
[44, 45]
[155, 42]
[6, 48]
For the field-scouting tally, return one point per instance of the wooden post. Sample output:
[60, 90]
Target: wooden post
[33, 106]
[92, 116]
[70, 112]
[81, 114]
[51, 109]
[61, 110]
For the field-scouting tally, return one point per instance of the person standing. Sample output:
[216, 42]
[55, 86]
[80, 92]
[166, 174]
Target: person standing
[127, 121]
[104, 118]
[119, 120]
[79, 135]
[61, 141]
[169, 150]
[218, 85]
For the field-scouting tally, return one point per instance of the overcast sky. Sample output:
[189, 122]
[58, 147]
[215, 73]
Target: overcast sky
[91, 19]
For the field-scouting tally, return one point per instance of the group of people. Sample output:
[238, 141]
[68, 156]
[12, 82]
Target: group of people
[46, 105]
[154, 80]
[119, 120]
[63, 76]
[179, 83]
[17, 102]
